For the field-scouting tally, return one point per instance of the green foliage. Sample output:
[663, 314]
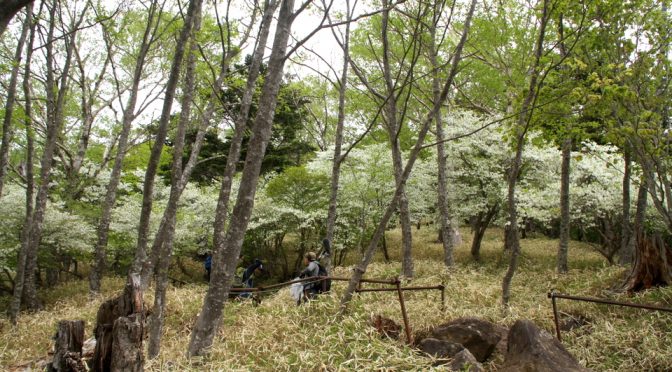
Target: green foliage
[296, 187]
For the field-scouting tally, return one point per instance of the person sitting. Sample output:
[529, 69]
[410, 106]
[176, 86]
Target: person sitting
[310, 289]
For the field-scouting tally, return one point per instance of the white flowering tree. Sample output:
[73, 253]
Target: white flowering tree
[66, 239]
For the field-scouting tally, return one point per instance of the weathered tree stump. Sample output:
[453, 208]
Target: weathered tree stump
[107, 331]
[68, 350]
[653, 264]
[127, 345]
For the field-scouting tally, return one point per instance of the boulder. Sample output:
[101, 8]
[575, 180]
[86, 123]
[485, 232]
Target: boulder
[440, 348]
[465, 361]
[477, 335]
[530, 349]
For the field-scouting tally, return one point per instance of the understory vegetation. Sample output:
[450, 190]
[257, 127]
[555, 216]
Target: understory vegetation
[278, 335]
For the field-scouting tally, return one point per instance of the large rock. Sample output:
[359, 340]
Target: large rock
[440, 348]
[530, 349]
[465, 361]
[477, 335]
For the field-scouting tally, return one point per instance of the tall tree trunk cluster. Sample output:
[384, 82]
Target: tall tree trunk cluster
[56, 87]
[225, 254]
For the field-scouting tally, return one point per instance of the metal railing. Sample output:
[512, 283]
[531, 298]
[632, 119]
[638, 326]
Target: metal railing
[553, 295]
[395, 282]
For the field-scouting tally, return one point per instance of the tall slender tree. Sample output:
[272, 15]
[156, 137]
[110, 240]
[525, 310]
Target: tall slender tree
[360, 269]
[338, 140]
[7, 129]
[19, 280]
[140, 260]
[520, 129]
[129, 114]
[225, 255]
[56, 88]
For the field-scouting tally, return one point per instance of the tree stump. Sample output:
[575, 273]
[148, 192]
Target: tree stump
[111, 311]
[68, 349]
[127, 344]
[653, 264]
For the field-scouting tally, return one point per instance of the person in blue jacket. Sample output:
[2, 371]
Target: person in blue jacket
[208, 266]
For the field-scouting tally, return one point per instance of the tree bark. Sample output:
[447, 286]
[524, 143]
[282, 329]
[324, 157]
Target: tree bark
[652, 265]
[241, 124]
[68, 350]
[7, 129]
[447, 232]
[8, 8]
[56, 93]
[109, 313]
[479, 227]
[99, 262]
[225, 255]
[521, 127]
[563, 247]
[163, 247]
[393, 128]
[627, 237]
[127, 350]
[338, 141]
[19, 281]
[140, 259]
[360, 269]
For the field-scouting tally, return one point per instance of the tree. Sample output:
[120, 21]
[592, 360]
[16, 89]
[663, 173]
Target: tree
[338, 140]
[227, 251]
[129, 114]
[9, 9]
[7, 129]
[447, 232]
[380, 229]
[56, 92]
[520, 130]
[140, 261]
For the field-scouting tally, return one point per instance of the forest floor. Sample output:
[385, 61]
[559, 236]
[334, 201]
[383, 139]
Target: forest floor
[279, 336]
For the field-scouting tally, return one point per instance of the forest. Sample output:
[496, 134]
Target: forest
[502, 151]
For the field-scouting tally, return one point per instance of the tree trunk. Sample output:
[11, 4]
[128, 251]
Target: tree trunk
[19, 281]
[107, 318]
[479, 228]
[652, 265]
[564, 205]
[182, 174]
[241, 124]
[336, 165]
[162, 248]
[68, 349]
[225, 255]
[148, 188]
[99, 262]
[521, 127]
[127, 353]
[627, 237]
[7, 129]
[8, 9]
[360, 269]
[446, 232]
[386, 254]
[55, 100]
[393, 127]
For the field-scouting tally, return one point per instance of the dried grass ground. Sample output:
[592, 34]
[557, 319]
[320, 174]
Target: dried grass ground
[279, 336]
